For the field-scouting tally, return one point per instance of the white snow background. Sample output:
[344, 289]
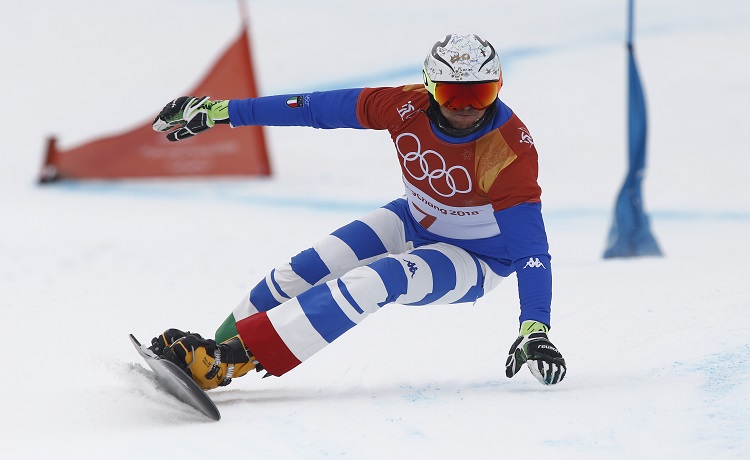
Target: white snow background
[657, 348]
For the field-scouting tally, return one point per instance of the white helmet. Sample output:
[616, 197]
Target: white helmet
[461, 58]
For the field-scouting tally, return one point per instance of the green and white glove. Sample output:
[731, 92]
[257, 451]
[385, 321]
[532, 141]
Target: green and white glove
[187, 116]
[534, 348]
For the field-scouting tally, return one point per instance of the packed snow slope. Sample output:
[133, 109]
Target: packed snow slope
[657, 348]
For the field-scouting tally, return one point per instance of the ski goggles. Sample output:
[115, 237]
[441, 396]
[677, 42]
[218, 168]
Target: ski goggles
[457, 96]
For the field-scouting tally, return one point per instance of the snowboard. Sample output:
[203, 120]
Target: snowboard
[177, 383]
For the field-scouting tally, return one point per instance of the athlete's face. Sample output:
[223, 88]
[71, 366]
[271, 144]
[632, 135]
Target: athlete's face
[462, 119]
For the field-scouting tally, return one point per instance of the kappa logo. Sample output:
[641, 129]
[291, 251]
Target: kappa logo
[412, 267]
[534, 262]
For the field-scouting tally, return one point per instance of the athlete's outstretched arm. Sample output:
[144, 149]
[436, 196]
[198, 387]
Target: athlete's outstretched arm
[322, 109]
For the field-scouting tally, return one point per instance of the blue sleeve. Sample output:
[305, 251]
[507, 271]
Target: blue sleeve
[322, 109]
[522, 227]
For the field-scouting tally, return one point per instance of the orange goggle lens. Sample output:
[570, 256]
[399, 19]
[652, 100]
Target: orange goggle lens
[457, 96]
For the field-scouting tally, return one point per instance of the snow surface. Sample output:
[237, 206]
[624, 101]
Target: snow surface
[657, 348]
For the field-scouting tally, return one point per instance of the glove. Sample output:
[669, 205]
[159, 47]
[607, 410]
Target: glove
[190, 115]
[210, 364]
[534, 348]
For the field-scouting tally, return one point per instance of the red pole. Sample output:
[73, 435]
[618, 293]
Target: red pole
[49, 172]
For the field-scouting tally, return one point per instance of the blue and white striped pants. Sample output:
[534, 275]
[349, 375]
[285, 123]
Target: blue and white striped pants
[328, 289]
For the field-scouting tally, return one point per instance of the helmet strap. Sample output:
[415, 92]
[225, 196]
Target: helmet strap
[442, 124]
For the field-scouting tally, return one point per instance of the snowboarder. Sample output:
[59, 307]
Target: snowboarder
[470, 217]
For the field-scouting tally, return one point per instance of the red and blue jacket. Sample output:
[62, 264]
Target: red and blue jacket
[478, 192]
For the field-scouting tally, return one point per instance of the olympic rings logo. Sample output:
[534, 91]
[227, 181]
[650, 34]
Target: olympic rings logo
[442, 177]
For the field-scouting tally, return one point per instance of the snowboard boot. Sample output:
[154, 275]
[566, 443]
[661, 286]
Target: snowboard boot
[211, 365]
[167, 338]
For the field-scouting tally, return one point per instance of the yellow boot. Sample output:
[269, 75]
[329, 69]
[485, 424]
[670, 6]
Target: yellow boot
[210, 364]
